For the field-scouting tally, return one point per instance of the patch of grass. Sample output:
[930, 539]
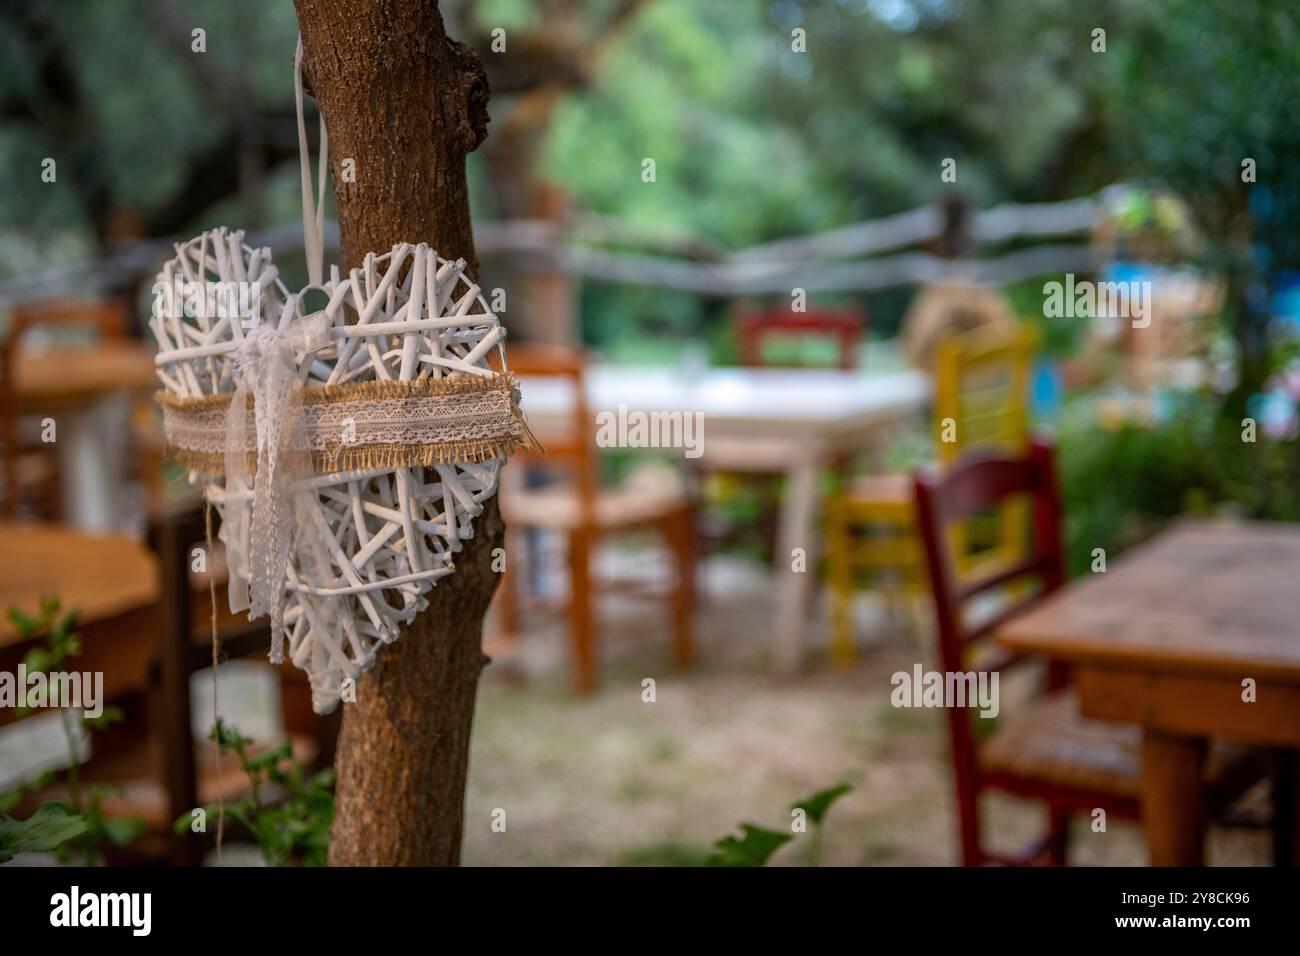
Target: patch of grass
[894, 729]
[667, 853]
[664, 749]
[639, 788]
[906, 720]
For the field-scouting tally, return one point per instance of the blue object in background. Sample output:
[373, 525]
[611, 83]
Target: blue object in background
[1045, 390]
[1122, 271]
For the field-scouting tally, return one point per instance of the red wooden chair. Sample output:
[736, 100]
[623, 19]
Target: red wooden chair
[779, 338]
[1045, 751]
[755, 330]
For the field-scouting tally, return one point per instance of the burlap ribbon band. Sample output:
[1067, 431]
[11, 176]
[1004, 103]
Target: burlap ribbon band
[365, 425]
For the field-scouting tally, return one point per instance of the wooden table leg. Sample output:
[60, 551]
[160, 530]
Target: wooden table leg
[1173, 798]
[798, 508]
[581, 611]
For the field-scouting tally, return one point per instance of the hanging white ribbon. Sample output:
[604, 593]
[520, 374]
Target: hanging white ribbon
[313, 224]
[281, 493]
[261, 539]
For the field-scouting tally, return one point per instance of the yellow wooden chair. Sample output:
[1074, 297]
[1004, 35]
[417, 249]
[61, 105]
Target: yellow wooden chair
[981, 398]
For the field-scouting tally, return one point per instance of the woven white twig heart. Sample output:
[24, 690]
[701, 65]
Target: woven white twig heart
[404, 419]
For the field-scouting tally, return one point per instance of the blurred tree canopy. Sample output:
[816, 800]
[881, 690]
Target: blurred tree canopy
[147, 135]
[753, 140]
[1202, 90]
[764, 118]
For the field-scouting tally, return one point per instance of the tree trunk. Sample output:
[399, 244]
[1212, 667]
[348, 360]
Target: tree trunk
[405, 103]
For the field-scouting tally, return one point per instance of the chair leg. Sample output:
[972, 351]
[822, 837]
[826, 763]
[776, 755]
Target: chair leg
[581, 623]
[1058, 836]
[768, 488]
[894, 591]
[681, 538]
[916, 597]
[841, 575]
[968, 800]
[509, 591]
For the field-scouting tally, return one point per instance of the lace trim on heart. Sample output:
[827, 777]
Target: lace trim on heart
[368, 424]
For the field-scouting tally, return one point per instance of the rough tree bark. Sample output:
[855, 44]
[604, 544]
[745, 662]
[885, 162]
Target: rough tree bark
[406, 104]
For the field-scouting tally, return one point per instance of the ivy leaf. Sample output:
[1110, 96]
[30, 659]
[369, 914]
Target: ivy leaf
[752, 849]
[44, 831]
[817, 805]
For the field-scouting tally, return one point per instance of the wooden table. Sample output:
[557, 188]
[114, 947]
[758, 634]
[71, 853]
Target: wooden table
[87, 393]
[63, 377]
[1170, 637]
[112, 580]
[788, 421]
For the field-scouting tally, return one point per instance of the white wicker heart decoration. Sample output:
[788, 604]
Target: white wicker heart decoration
[389, 406]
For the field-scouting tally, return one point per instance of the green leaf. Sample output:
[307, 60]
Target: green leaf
[122, 832]
[46, 830]
[271, 758]
[37, 659]
[227, 737]
[817, 805]
[25, 624]
[752, 849]
[110, 715]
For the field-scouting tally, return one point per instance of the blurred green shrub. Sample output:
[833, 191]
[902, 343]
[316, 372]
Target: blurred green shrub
[76, 828]
[1128, 469]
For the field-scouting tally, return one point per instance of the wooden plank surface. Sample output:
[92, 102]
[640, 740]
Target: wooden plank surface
[103, 575]
[69, 375]
[1211, 598]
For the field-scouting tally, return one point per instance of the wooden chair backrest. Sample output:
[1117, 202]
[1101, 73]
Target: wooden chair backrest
[570, 447]
[982, 386]
[970, 486]
[106, 319]
[973, 484]
[982, 394]
[756, 328]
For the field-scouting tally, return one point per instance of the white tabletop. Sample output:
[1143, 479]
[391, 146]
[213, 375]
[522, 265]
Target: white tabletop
[738, 401]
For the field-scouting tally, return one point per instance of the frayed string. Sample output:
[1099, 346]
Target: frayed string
[216, 655]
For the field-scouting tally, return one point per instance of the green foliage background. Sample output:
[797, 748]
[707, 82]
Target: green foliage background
[753, 141]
